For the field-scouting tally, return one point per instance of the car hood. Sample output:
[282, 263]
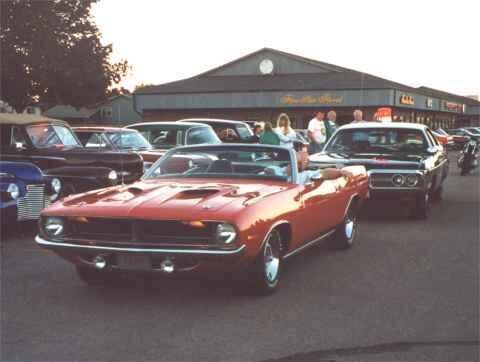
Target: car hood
[11, 171]
[371, 160]
[89, 157]
[168, 199]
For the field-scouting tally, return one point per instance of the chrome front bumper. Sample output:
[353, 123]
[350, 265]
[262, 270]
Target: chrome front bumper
[60, 246]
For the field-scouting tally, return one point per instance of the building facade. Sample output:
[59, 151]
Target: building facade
[259, 86]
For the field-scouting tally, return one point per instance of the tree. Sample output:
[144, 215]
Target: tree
[51, 52]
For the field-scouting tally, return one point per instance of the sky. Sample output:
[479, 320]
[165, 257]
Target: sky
[422, 42]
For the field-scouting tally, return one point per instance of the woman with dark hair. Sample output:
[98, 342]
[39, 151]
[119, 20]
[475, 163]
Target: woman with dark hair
[269, 137]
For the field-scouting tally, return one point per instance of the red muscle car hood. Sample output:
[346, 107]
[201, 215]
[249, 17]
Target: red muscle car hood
[168, 199]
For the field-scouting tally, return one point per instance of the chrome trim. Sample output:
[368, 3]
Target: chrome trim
[59, 245]
[309, 244]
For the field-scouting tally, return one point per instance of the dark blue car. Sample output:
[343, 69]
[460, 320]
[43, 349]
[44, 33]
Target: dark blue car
[25, 191]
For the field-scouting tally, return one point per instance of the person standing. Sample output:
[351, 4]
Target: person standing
[284, 131]
[269, 136]
[330, 125]
[357, 116]
[317, 132]
[257, 132]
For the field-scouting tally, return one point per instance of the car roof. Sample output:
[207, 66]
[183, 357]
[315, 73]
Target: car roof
[211, 120]
[102, 129]
[171, 125]
[366, 125]
[24, 119]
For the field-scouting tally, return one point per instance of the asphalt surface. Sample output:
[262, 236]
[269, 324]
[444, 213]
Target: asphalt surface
[407, 291]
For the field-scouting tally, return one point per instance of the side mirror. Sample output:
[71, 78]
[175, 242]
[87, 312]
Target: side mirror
[432, 150]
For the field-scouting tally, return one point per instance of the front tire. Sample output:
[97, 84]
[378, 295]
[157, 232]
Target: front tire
[422, 206]
[265, 272]
[93, 277]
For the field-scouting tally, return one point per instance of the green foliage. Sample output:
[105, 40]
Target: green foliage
[51, 52]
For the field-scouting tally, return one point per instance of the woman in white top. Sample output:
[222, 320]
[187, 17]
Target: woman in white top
[284, 131]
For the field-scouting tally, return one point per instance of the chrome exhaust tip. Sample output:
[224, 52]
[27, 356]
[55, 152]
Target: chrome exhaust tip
[167, 266]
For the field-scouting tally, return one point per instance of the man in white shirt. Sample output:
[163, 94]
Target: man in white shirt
[357, 116]
[317, 132]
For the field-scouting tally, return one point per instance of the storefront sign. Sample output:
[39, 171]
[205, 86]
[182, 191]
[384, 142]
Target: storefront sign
[429, 103]
[322, 99]
[406, 99]
[452, 106]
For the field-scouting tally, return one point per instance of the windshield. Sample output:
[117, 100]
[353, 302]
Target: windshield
[441, 132]
[128, 140]
[227, 162]
[47, 136]
[161, 136]
[244, 132]
[378, 141]
[198, 135]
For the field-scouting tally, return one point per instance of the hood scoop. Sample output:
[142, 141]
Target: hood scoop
[196, 193]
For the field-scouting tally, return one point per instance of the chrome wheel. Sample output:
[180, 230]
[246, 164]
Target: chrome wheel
[350, 229]
[271, 259]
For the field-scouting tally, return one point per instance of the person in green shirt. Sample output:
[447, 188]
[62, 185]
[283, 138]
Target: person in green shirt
[269, 137]
[330, 124]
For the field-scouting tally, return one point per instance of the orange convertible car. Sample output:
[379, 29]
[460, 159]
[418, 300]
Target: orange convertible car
[208, 209]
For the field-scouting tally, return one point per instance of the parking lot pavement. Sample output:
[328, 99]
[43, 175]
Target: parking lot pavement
[408, 290]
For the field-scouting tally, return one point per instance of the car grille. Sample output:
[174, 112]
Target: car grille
[30, 206]
[140, 231]
[381, 180]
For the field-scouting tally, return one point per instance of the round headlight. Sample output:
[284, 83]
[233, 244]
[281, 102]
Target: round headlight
[112, 175]
[13, 191]
[225, 233]
[412, 180]
[398, 180]
[56, 185]
[54, 226]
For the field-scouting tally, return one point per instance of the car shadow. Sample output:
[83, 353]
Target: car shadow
[375, 210]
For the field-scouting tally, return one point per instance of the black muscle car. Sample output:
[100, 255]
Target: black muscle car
[52, 146]
[404, 160]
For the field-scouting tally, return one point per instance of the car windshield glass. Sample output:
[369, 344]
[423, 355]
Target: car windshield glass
[224, 162]
[441, 131]
[378, 141]
[244, 132]
[128, 140]
[46, 136]
[200, 135]
[160, 136]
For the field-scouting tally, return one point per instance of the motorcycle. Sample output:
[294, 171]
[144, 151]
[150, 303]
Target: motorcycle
[467, 159]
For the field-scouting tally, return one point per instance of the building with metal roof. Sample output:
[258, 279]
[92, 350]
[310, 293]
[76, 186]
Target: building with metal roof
[260, 85]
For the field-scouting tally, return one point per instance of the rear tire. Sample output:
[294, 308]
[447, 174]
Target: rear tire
[265, 272]
[93, 277]
[344, 236]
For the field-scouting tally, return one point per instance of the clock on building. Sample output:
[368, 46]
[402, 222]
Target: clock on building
[266, 66]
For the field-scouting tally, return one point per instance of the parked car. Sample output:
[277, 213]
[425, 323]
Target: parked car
[118, 139]
[166, 135]
[51, 145]
[404, 160]
[208, 209]
[445, 140]
[467, 159]
[470, 132]
[458, 140]
[25, 191]
[227, 130]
